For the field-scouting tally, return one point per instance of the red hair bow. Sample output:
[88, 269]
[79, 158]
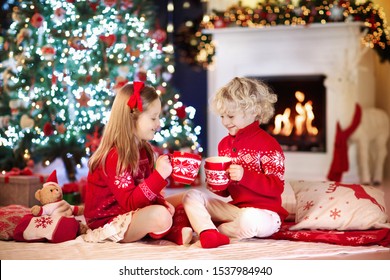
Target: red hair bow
[135, 100]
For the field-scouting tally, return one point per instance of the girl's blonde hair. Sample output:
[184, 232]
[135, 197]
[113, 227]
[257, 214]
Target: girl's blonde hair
[120, 131]
[250, 96]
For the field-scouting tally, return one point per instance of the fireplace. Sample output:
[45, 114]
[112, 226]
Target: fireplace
[299, 124]
[309, 61]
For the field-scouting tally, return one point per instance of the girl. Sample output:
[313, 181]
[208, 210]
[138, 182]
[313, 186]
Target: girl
[256, 173]
[123, 201]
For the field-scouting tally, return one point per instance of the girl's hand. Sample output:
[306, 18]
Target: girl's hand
[163, 166]
[236, 172]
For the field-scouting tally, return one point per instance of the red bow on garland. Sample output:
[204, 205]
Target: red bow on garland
[135, 100]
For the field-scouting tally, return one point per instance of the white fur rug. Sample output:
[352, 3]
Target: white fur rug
[251, 249]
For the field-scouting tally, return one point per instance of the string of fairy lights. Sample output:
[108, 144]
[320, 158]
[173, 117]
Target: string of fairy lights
[269, 13]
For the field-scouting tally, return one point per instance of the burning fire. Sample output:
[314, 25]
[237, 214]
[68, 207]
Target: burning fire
[303, 119]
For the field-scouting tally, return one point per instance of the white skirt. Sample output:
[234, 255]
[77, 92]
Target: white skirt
[113, 231]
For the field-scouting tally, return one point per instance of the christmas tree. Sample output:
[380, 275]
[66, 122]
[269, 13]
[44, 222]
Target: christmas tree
[61, 63]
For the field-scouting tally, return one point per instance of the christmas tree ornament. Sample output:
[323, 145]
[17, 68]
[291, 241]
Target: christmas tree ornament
[77, 43]
[14, 105]
[48, 52]
[141, 75]
[16, 14]
[83, 99]
[93, 140]
[24, 34]
[60, 128]
[108, 40]
[120, 81]
[110, 3]
[48, 129]
[159, 35]
[37, 20]
[126, 4]
[59, 15]
[181, 112]
[26, 122]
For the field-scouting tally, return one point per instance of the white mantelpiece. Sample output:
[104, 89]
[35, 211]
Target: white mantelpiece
[317, 49]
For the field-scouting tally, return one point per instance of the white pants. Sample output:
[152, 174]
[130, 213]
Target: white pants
[203, 210]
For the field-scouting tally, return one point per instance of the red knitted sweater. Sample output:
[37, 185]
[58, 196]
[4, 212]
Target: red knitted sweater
[109, 195]
[263, 161]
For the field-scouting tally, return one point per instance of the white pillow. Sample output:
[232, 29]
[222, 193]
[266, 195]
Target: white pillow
[288, 200]
[338, 206]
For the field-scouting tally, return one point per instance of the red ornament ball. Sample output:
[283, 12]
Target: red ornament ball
[181, 112]
[159, 35]
[48, 129]
[37, 20]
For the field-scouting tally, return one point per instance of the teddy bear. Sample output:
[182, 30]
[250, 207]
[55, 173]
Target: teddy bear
[52, 203]
[54, 221]
[51, 198]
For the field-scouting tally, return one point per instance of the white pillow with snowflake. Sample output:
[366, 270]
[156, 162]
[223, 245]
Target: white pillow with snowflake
[338, 206]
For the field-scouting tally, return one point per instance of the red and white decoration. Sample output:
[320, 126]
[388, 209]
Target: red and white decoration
[54, 229]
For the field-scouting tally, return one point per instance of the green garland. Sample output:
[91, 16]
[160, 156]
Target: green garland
[198, 49]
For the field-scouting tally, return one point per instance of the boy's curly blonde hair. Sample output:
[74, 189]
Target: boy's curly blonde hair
[252, 96]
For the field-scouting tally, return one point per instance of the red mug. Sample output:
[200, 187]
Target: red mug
[217, 177]
[185, 167]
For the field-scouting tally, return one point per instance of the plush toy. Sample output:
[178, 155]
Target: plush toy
[54, 220]
[51, 198]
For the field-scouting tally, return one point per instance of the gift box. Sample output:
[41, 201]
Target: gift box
[74, 192]
[73, 198]
[20, 189]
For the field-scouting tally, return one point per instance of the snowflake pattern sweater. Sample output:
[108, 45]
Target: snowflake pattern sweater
[109, 195]
[263, 161]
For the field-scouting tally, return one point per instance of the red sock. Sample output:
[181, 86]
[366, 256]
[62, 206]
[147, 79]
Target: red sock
[181, 231]
[211, 238]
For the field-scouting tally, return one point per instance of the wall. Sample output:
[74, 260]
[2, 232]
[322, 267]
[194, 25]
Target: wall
[382, 73]
[382, 70]
[277, 51]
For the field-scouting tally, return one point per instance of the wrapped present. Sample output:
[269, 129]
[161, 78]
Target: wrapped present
[74, 192]
[71, 193]
[19, 187]
[73, 198]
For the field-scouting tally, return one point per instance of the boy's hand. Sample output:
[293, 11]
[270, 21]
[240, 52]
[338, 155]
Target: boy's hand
[235, 172]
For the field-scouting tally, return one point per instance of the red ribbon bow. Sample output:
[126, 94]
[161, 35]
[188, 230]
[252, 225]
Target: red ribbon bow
[16, 171]
[21, 172]
[135, 100]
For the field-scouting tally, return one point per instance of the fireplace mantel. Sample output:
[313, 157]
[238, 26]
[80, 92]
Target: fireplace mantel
[319, 49]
